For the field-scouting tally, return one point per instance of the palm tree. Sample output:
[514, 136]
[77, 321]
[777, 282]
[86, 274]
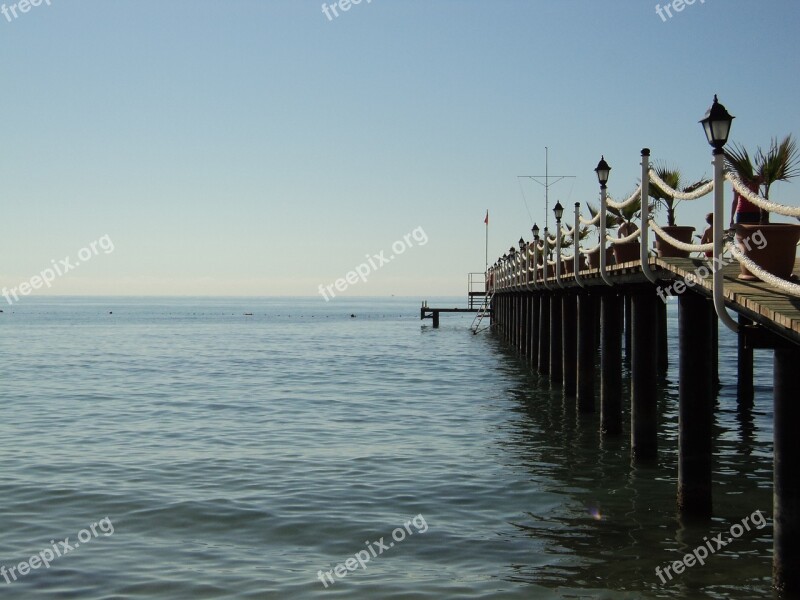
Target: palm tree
[672, 177]
[781, 162]
[627, 213]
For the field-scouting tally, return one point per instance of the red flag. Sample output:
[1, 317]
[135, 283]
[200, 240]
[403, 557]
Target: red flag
[486, 220]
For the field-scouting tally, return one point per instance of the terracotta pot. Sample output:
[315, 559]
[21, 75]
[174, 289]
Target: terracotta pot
[679, 232]
[627, 252]
[594, 258]
[773, 247]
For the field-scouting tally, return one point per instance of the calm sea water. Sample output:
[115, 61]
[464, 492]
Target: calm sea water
[238, 456]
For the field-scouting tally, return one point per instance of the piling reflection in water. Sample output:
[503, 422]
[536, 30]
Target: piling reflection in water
[619, 519]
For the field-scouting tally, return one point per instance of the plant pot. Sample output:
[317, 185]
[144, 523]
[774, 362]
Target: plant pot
[773, 250]
[627, 251]
[679, 232]
[594, 258]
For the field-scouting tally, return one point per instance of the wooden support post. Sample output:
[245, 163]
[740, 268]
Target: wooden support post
[544, 334]
[696, 405]
[628, 327]
[663, 339]
[569, 345]
[556, 374]
[715, 349]
[611, 364]
[586, 348]
[436, 319]
[744, 366]
[644, 368]
[534, 330]
[786, 503]
[524, 325]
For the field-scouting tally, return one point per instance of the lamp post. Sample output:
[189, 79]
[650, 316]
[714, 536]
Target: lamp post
[535, 232]
[603, 171]
[558, 211]
[545, 266]
[512, 261]
[523, 262]
[717, 127]
[576, 241]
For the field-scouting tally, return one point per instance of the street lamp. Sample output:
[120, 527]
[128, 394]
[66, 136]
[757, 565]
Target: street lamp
[558, 211]
[717, 125]
[535, 232]
[603, 171]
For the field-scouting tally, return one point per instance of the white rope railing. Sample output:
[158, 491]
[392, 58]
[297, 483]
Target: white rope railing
[703, 190]
[593, 221]
[679, 244]
[594, 248]
[787, 286]
[762, 203]
[622, 240]
[631, 199]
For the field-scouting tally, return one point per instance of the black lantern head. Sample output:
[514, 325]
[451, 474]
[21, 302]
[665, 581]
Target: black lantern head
[717, 125]
[603, 171]
[558, 211]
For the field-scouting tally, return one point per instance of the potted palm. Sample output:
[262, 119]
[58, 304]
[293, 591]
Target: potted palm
[627, 251]
[569, 241]
[780, 162]
[672, 177]
[594, 256]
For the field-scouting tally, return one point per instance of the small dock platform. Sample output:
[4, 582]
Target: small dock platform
[477, 301]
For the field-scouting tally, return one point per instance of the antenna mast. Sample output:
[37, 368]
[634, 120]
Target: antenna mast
[547, 184]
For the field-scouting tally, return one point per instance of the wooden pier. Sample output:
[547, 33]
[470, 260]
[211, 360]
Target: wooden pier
[553, 323]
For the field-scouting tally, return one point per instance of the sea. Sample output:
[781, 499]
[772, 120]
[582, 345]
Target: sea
[170, 448]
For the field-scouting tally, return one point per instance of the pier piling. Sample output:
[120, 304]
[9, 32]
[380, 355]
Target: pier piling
[556, 354]
[786, 555]
[586, 351]
[569, 344]
[610, 364]
[544, 335]
[644, 367]
[696, 405]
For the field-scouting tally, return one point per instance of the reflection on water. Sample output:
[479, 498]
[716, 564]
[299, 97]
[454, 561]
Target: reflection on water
[619, 521]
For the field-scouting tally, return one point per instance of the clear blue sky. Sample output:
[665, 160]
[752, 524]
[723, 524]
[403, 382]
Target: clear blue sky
[255, 147]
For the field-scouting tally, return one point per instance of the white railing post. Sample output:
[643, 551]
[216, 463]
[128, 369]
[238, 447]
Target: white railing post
[719, 216]
[645, 208]
[602, 249]
[558, 253]
[545, 266]
[577, 244]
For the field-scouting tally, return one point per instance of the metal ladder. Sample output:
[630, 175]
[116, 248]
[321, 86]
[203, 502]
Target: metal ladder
[485, 311]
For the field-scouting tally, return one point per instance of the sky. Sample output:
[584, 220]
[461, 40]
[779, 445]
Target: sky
[262, 148]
